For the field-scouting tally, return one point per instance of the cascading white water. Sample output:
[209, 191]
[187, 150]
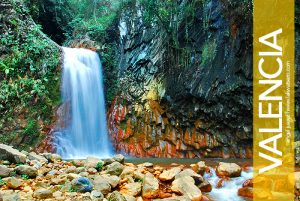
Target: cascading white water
[229, 192]
[84, 133]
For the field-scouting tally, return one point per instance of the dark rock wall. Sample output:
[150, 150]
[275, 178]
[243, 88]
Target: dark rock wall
[196, 103]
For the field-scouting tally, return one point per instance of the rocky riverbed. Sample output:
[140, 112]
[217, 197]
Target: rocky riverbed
[32, 176]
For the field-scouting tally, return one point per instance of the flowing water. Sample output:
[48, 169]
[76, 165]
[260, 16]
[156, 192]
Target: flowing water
[84, 133]
[229, 190]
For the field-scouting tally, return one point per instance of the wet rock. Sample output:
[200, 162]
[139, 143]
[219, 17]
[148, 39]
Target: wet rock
[42, 194]
[115, 168]
[11, 154]
[5, 171]
[34, 156]
[132, 189]
[169, 175]
[228, 170]
[27, 170]
[119, 158]
[248, 183]
[116, 196]
[246, 192]
[186, 186]
[222, 181]
[82, 185]
[13, 183]
[150, 186]
[205, 186]
[199, 168]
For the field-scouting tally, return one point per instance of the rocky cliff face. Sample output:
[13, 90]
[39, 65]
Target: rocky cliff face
[191, 103]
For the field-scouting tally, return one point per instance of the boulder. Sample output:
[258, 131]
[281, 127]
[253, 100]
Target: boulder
[42, 193]
[132, 189]
[52, 157]
[92, 171]
[34, 156]
[36, 164]
[102, 185]
[205, 186]
[71, 169]
[27, 170]
[185, 186]
[111, 179]
[5, 171]
[169, 175]
[81, 184]
[116, 196]
[11, 154]
[13, 183]
[115, 168]
[150, 188]
[108, 161]
[11, 197]
[119, 158]
[228, 170]
[201, 167]
[127, 171]
[188, 172]
[91, 162]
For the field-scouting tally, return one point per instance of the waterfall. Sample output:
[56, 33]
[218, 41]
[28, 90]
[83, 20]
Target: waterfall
[84, 130]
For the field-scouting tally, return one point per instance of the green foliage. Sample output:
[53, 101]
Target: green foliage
[91, 18]
[24, 176]
[13, 174]
[1, 182]
[99, 166]
[71, 190]
[209, 51]
[28, 78]
[139, 180]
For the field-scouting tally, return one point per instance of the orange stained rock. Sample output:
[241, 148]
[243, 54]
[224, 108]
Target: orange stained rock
[187, 137]
[246, 192]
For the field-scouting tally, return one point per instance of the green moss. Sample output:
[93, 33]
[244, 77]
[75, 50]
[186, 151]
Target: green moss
[209, 51]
